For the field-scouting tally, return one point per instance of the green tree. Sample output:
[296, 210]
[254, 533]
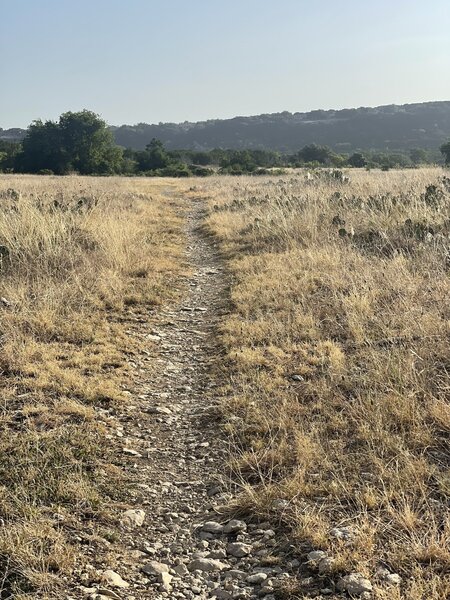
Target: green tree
[338, 160]
[79, 142]
[8, 153]
[89, 144]
[314, 153]
[201, 158]
[357, 160]
[445, 150]
[418, 156]
[42, 149]
[153, 157]
[237, 162]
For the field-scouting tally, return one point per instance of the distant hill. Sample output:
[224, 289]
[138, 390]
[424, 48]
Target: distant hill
[392, 127]
[12, 135]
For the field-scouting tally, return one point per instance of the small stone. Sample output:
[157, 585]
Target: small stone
[326, 565]
[180, 569]
[165, 580]
[256, 578]
[355, 584]
[390, 578]
[316, 555]
[159, 410]
[212, 527]
[269, 533]
[131, 452]
[206, 564]
[235, 574]
[133, 518]
[108, 594]
[265, 590]
[112, 578]
[393, 579]
[280, 504]
[219, 553]
[154, 568]
[153, 338]
[221, 594]
[239, 549]
[88, 590]
[342, 533]
[235, 526]
[382, 573]
[297, 377]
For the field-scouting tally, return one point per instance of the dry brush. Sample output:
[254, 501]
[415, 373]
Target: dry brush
[338, 349]
[77, 254]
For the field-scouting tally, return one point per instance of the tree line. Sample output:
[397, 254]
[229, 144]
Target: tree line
[81, 142]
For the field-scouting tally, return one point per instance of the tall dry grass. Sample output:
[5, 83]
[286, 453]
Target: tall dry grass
[338, 346]
[76, 255]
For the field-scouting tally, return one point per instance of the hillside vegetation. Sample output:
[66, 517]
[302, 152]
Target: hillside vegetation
[338, 369]
[392, 127]
[82, 143]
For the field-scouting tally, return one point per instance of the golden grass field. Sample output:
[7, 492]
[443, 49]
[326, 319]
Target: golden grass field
[336, 382]
[80, 253]
[347, 288]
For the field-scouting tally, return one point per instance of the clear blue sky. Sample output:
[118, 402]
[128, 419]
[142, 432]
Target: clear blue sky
[176, 60]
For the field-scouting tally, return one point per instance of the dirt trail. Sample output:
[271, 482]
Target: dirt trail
[184, 453]
[174, 453]
[171, 443]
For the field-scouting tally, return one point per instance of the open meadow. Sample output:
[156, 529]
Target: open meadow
[338, 367]
[333, 377]
[79, 258]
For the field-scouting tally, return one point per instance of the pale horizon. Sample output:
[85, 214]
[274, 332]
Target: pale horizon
[171, 62]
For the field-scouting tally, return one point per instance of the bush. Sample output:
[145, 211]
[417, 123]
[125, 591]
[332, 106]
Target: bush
[200, 171]
[176, 170]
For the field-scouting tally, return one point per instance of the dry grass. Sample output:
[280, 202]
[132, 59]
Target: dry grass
[359, 312]
[76, 254]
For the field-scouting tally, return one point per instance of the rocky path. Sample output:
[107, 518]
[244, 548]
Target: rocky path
[176, 539]
[175, 542]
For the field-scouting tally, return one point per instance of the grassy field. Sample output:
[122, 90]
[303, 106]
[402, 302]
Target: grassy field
[336, 382]
[77, 255]
[338, 366]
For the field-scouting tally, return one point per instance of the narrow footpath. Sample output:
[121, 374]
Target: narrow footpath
[176, 542]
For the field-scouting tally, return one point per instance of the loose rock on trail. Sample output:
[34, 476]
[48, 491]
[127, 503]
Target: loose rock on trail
[173, 542]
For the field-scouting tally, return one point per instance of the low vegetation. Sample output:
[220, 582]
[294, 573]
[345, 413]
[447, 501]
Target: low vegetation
[338, 366]
[76, 255]
[335, 379]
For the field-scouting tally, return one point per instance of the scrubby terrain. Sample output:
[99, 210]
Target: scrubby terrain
[338, 345]
[179, 354]
[79, 257]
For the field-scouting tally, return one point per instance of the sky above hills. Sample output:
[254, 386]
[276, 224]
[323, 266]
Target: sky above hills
[171, 60]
